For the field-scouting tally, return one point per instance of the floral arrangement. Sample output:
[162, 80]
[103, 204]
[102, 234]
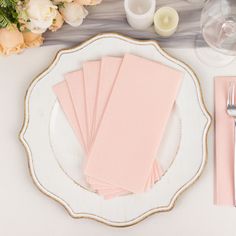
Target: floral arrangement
[22, 22]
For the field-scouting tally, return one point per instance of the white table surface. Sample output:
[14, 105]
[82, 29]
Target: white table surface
[25, 211]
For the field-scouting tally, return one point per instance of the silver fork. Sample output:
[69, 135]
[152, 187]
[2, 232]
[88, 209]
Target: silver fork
[231, 110]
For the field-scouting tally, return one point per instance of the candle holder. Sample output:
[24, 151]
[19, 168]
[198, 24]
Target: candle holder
[140, 13]
[166, 21]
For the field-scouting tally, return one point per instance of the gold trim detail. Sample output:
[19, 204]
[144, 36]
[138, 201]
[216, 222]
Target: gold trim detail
[91, 216]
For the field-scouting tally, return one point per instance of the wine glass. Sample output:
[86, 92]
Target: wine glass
[218, 24]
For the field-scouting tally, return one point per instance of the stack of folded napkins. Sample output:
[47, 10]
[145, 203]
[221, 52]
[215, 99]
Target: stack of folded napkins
[118, 109]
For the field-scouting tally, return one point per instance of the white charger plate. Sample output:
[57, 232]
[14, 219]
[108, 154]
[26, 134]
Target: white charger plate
[55, 156]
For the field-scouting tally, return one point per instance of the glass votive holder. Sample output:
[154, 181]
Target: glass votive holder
[166, 20]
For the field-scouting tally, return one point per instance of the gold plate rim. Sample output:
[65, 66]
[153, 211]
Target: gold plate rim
[152, 211]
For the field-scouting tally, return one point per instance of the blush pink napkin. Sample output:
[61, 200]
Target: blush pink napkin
[62, 91]
[224, 144]
[75, 83]
[108, 71]
[133, 124]
[91, 70]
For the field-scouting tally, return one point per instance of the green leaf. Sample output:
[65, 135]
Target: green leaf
[8, 13]
[4, 20]
[8, 3]
[61, 5]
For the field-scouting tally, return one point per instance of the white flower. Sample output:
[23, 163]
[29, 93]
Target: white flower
[57, 22]
[89, 2]
[40, 15]
[73, 13]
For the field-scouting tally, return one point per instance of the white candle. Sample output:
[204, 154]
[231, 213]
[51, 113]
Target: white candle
[140, 13]
[166, 21]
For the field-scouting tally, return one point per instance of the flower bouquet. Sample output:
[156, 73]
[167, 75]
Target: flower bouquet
[22, 22]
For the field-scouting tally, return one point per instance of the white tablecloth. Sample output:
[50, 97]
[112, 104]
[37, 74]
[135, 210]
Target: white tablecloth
[25, 211]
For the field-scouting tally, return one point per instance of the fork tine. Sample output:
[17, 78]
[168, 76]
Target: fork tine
[229, 99]
[232, 95]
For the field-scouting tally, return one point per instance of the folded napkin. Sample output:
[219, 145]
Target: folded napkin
[91, 72]
[108, 71]
[62, 91]
[127, 140]
[224, 144]
[75, 83]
